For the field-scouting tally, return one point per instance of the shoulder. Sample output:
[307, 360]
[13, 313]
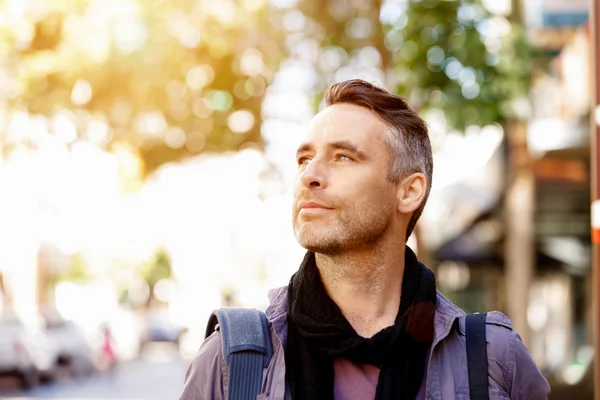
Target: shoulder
[501, 339]
[509, 359]
[205, 378]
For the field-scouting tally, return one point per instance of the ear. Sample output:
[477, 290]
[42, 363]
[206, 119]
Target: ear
[411, 192]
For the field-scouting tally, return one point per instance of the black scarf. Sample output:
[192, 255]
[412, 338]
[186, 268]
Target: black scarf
[318, 332]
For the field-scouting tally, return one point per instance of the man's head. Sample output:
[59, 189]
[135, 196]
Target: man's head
[364, 171]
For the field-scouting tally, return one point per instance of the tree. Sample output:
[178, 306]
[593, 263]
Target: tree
[171, 79]
[449, 55]
[457, 57]
[168, 78]
[157, 269]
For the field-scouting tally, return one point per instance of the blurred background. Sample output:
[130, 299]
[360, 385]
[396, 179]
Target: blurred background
[147, 159]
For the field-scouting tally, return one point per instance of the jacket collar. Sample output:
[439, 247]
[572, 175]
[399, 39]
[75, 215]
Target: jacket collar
[277, 312]
[445, 317]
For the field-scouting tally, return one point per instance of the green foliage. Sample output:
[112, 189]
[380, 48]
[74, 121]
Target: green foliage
[184, 65]
[76, 272]
[433, 52]
[455, 56]
[158, 268]
[167, 76]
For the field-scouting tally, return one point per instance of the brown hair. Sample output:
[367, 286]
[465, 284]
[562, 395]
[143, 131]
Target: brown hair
[409, 139]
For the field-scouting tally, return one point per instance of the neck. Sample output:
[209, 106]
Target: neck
[366, 285]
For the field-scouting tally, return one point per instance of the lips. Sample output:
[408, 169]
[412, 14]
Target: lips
[313, 206]
[311, 209]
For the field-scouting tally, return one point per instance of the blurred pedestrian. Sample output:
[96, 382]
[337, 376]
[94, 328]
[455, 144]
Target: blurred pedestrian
[361, 318]
[108, 354]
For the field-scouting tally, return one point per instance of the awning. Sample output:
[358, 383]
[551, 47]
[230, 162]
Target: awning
[481, 243]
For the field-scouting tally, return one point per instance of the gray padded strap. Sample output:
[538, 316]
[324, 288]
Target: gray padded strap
[247, 348]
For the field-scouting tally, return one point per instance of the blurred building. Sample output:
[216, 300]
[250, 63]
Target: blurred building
[559, 137]
[472, 263]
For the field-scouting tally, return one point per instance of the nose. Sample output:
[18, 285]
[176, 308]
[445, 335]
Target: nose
[313, 175]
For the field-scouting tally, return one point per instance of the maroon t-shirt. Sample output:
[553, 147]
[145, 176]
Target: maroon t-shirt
[358, 382]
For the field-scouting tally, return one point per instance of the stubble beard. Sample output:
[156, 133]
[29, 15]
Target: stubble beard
[341, 234]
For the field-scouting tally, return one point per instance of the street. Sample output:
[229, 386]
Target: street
[157, 375]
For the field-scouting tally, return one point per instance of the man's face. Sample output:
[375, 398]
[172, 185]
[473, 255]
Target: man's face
[342, 197]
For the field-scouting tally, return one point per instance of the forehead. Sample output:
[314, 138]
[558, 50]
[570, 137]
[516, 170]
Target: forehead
[347, 122]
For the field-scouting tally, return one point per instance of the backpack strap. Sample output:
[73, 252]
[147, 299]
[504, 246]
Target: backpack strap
[247, 348]
[477, 356]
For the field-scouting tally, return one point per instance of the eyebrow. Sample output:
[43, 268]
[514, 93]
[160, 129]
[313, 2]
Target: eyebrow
[338, 145]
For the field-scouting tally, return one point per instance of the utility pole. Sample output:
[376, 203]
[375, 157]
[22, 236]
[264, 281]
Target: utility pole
[594, 25]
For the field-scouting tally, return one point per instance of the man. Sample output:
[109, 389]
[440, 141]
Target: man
[361, 319]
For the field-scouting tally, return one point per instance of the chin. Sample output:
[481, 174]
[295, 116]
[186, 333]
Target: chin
[322, 245]
[329, 249]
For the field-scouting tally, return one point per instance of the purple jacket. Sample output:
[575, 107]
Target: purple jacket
[512, 372]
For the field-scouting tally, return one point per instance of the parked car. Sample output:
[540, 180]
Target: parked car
[159, 329]
[70, 348]
[24, 352]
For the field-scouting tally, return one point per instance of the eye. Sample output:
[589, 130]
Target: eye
[303, 161]
[343, 157]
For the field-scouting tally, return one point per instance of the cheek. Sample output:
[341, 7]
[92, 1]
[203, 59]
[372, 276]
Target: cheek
[376, 196]
[366, 187]
[297, 188]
